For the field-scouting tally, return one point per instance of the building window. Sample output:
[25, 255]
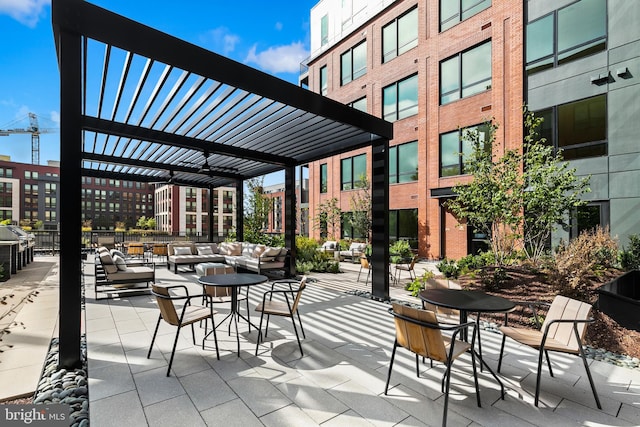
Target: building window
[352, 172]
[588, 217]
[359, 104]
[324, 178]
[578, 128]
[400, 99]
[403, 163]
[566, 34]
[400, 35]
[323, 81]
[346, 229]
[324, 30]
[454, 11]
[403, 225]
[353, 63]
[455, 149]
[465, 74]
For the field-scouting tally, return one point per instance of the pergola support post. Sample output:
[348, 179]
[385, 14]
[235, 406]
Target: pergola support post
[70, 295]
[239, 210]
[210, 217]
[290, 204]
[380, 219]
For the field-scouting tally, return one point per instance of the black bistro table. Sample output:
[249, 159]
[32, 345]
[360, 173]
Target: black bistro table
[234, 281]
[468, 302]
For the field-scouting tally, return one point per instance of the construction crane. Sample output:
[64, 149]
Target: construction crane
[35, 130]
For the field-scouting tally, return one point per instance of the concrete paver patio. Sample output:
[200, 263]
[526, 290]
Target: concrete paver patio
[338, 382]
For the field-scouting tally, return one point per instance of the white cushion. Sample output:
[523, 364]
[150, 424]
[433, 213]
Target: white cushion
[115, 252]
[182, 250]
[204, 250]
[119, 262]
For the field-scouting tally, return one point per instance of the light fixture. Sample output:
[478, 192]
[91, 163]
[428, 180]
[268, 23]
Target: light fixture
[205, 167]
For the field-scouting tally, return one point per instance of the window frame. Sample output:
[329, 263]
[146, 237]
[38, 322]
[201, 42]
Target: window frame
[353, 182]
[461, 154]
[555, 58]
[461, 15]
[461, 86]
[604, 213]
[395, 173]
[324, 30]
[324, 178]
[394, 235]
[396, 112]
[353, 104]
[398, 50]
[324, 80]
[346, 78]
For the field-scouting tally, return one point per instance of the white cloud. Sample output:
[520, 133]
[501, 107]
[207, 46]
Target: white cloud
[279, 59]
[278, 26]
[221, 39]
[55, 117]
[27, 12]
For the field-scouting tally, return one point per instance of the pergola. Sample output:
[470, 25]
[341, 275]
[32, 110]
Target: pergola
[140, 105]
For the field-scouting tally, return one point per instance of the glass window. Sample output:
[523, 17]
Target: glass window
[578, 128]
[455, 149]
[324, 177]
[403, 225]
[400, 35]
[580, 30]
[400, 99]
[323, 80]
[403, 163]
[454, 11]
[324, 30]
[352, 170]
[465, 74]
[353, 63]
[360, 104]
[588, 217]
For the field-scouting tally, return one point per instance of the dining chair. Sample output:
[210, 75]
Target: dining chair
[563, 330]
[407, 267]
[135, 249]
[285, 306]
[419, 332]
[364, 265]
[160, 250]
[188, 315]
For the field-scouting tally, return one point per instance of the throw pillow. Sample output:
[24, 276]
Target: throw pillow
[182, 250]
[259, 250]
[205, 250]
[105, 258]
[272, 252]
[119, 262]
[236, 249]
[115, 252]
[283, 255]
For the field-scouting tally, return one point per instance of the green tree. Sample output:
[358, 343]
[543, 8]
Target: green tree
[519, 195]
[145, 223]
[256, 211]
[551, 190]
[328, 218]
[360, 203]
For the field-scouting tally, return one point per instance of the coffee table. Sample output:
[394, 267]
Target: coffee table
[233, 281]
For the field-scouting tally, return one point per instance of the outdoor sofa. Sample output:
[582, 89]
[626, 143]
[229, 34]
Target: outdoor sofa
[241, 255]
[355, 251]
[116, 274]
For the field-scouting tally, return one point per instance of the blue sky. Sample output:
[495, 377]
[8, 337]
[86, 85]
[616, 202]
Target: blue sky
[272, 36]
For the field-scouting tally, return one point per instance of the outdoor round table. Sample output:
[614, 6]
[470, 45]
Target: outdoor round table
[468, 301]
[233, 281]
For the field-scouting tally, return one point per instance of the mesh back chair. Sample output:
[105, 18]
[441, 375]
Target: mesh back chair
[364, 264]
[407, 267]
[563, 329]
[286, 308]
[419, 332]
[188, 315]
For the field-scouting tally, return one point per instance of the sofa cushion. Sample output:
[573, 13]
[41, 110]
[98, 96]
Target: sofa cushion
[107, 263]
[213, 246]
[259, 250]
[182, 250]
[204, 250]
[115, 252]
[269, 254]
[119, 262]
[283, 255]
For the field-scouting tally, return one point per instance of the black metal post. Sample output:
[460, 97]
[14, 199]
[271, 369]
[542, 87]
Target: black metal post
[70, 62]
[380, 219]
[210, 216]
[240, 210]
[290, 204]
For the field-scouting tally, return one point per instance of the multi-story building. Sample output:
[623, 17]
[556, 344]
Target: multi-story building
[185, 210]
[106, 202]
[276, 221]
[29, 193]
[434, 67]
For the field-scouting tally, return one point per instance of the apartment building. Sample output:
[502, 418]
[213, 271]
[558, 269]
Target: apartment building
[431, 67]
[185, 210]
[276, 221]
[434, 67]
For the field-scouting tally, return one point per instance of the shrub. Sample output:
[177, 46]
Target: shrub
[306, 249]
[303, 267]
[471, 263]
[419, 283]
[449, 268]
[630, 258]
[583, 257]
